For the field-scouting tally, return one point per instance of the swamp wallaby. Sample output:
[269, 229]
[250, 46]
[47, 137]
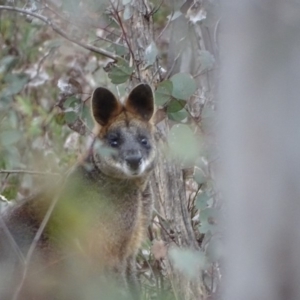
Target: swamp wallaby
[97, 221]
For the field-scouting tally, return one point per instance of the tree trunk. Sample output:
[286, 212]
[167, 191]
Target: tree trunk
[260, 147]
[169, 184]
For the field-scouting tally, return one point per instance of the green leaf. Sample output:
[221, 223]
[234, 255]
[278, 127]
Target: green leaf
[5, 102]
[163, 92]
[174, 16]
[214, 250]
[127, 14]
[208, 217]
[13, 158]
[120, 72]
[206, 228]
[53, 43]
[70, 117]
[150, 54]
[25, 105]
[207, 61]
[175, 105]
[120, 49]
[188, 261]
[15, 83]
[199, 176]
[9, 137]
[7, 63]
[87, 117]
[179, 115]
[201, 200]
[59, 118]
[71, 103]
[207, 213]
[182, 143]
[183, 86]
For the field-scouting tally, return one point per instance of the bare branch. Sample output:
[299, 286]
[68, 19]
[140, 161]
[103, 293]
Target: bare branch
[61, 32]
[115, 10]
[167, 25]
[28, 172]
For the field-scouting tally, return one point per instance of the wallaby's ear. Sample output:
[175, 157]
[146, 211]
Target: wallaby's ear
[104, 105]
[141, 101]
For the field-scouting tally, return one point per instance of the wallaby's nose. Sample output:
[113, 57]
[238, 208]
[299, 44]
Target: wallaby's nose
[133, 160]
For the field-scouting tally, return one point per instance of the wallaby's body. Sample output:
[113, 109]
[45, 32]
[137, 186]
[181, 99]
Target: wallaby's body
[103, 210]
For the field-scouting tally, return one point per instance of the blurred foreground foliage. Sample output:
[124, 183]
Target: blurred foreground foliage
[45, 122]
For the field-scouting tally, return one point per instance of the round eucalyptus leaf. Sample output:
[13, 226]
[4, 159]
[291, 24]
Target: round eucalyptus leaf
[120, 72]
[71, 103]
[120, 49]
[184, 86]
[215, 250]
[70, 117]
[208, 218]
[7, 63]
[199, 176]
[174, 16]
[175, 106]
[151, 53]
[87, 117]
[127, 14]
[9, 137]
[15, 83]
[188, 261]
[163, 92]
[201, 200]
[182, 142]
[207, 61]
[178, 116]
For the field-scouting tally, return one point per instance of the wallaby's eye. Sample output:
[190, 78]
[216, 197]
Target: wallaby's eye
[144, 141]
[114, 140]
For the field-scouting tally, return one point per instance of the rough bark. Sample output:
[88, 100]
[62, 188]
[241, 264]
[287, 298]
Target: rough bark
[168, 179]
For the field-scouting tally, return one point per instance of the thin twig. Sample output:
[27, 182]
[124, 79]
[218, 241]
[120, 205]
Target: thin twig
[40, 63]
[109, 41]
[115, 10]
[166, 231]
[166, 26]
[173, 65]
[28, 172]
[155, 73]
[61, 32]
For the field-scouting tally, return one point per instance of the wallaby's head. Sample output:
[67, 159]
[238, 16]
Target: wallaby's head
[125, 132]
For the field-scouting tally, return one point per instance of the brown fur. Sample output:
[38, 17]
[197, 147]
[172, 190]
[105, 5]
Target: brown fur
[102, 212]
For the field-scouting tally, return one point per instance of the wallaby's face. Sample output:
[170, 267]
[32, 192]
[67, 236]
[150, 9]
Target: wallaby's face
[125, 132]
